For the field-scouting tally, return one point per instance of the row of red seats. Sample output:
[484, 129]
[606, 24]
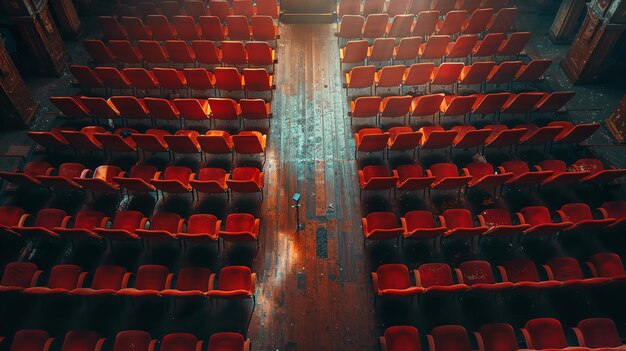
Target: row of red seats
[394, 280]
[127, 340]
[184, 141]
[437, 47]
[183, 110]
[55, 224]
[467, 136]
[398, 7]
[539, 334]
[446, 175]
[119, 52]
[442, 105]
[449, 73]
[197, 8]
[459, 223]
[158, 28]
[426, 24]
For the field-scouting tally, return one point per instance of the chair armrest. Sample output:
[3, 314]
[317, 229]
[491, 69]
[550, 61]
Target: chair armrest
[549, 272]
[157, 175]
[33, 281]
[105, 221]
[81, 279]
[65, 221]
[520, 218]
[479, 341]
[604, 213]
[253, 283]
[126, 279]
[538, 168]
[501, 169]
[431, 342]
[48, 344]
[529, 343]
[364, 224]
[99, 344]
[403, 223]
[192, 176]
[23, 219]
[481, 220]
[459, 275]
[179, 228]
[442, 220]
[211, 282]
[579, 337]
[375, 282]
[466, 172]
[592, 269]
[86, 173]
[152, 345]
[429, 173]
[562, 216]
[168, 281]
[505, 277]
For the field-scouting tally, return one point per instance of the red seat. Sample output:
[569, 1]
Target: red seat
[434, 48]
[257, 79]
[546, 333]
[390, 77]
[381, 51]
[162, 109]
[365, 107]
[151, 141]
[523, 273]
[201, 228]
[249, 143]
[420, 225]
[175, 180]
[228, 79]
[219, 8]
[502, 136]
[180, 52]
[240, 227]
[134, 340]
[484, 176]
[401, 24]
[211, 27]
[86, 77]
[540, 221]
[124, 52]
[443, 6]
[447, 176]
[255, 109]
[456, 106]
[125, 223]
[435, 137]
[403, 138]
[63, 279]
[160, 27]
[113, 78]
[522, 174]
[533, 71]
[12, 216]
[426, 105]
[267, 8]
[233, 282]
[395, 107]
[460, 224]
[84, 224]
[407, 49]
[45, 221]
[469, 137]
[183, 142]
[478, 20]
[607, 265]
[163, 227]
[489, 104]
[397, 7]
[211, 181]
[411, 178]
[348, 7]
[538, 135]
[381, 226]
[186, 28]
[488, 46]
[554, 102]
[394, 280]
[496, 337]
[199, 79]
[462, 47]
[437, 278]
[522, 102]
[107, 281]
[515, 44]
[375, 25]
[82, 340]
[135, 28]
[373, 6]
[151, 279]
[111, 28]
[360, 77]
[54, 140]
[598, 173]
[206, 52]
[115, 142]
[350, 26]
[227, 341]
[615, 210]
[562, 174]
[425, 22]
[191, 281]
[376, 178]
[193, 109]
[101, 108]
[84, 139]
[170, 78]
[18, 276]
[567, 271]
[263, 28]
[504, 73]
[216, 142]
[448, 337]
[503, 20]
[64, 179]
[31, 340]
[130, 107]
[102, 179]
[479, 277]
[28, 176]
[476, 73]
[237, 28]
[224, 109]
[260, 54]
[180, 342]
[71, 107]
[598, 333]
[398, 338]
[246, 180]
[574, 134]
[243, 7]
[499, 222]
[354, 52]
[153, 52]
[98, 52]
[452, 22]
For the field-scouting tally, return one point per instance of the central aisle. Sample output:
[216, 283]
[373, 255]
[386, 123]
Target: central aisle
[306, 279]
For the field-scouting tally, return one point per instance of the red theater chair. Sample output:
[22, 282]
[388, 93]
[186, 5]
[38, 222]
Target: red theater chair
[456, 106]
[106, 281]
[134, 340]
[538, 135]
[515, 44]
[28, 176]
[125, 53]
[233, 53]
[434, 48]
[533, 71]
[350, 27]
[224, 109]
[567, 271]
[420, 225]
[435, 137]
[462, 47]
[175, 180]
[101, 109]
[496, 337]
[478, 20]
[375, 25]
[437, 278]
[250, 143]
[125, 223]
[389, 77]
[504, 73]
[160, 28]
[211, 181]
[488, 46]
[479, 277]
[540, 221]
[403, 138]
[381, 226]
[84, 140]
[503, 21]
[211, 28]
[261, 54]
[183, 142]
[32, 340]
[198, 79]
[180, 52]
[484, 176]
[582, 218]
[86, 77]
[114, 142]
[228, 341]
[111, 28]
[263, 28]
[598, 333]
[607, 265]
[190, 281]
[153, 53]
[574, 133]
[373, 6]
[447, 177]
[99, 52]
[258, 80]
[54, 139]
[102, 179]
[474, 74]
[364, 107]
[400, 338]
[425, 22]
[400, 26]
[63, 279]
[84, 224]
[412, 178]
[64, 179]
[45, 221]
[360, 77]
[181, 342]
[246, 180]
[170, 78]
[554, 102]
[394, 280]
[233, 283]
[419, 74]
[522, 103]
[448, 337]
[501, 136]
[354, 52]
[407, 50]
[446, 74]
[460, 224]
[18, 276]
[135, 28]
[206, 52]
[243, 8]
[562, 174]
[426, 105]
[131, 108]
[228, 79]
[151, 279]
[499, 222]
[522, 174]
[163, 228]
[216, 142]
[452, 22]
[615, 210]
[523, 273]
[151, 141]
[376, 178]
[201, 228]
[546, 333]
[82, 340]
[240, 227]
[186, 28]
[71, 107]
[381, 51]
[237, 28]
[397, 7]
[12, 216]
[267, 8]
[219, 8]
[469, 137]
[255, 109]
[598, 173]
